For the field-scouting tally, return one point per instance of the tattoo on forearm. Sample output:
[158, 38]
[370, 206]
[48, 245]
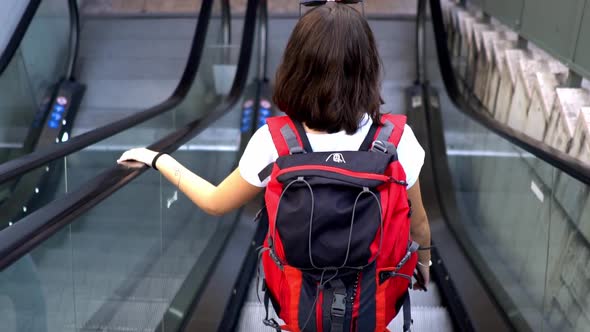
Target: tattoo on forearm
[178, 174]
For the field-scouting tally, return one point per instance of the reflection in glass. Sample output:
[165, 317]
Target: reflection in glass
[525, 224]
[36, 292]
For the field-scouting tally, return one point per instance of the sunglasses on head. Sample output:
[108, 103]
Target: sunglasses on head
[316, 3]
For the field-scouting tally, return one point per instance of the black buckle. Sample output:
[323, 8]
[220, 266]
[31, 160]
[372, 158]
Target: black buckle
[379, 146]
[384, 147]
[296, 150]
[338, 305]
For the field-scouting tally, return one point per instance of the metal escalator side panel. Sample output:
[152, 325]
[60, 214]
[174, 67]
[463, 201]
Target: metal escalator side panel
[37, 188]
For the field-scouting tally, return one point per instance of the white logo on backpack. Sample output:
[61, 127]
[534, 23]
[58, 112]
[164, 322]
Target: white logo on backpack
[337, 158]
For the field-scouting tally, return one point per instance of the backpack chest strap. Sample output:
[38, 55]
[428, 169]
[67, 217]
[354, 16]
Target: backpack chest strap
[334, 306]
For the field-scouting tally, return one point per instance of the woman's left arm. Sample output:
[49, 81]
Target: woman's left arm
[230, 194]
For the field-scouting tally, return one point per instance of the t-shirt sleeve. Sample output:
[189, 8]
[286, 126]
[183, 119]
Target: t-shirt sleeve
[259, 152]
[411, 155]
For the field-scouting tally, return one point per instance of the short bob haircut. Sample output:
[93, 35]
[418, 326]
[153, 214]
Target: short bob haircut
[330, 73]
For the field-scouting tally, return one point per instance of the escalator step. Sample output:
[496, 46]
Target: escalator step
[425, 319]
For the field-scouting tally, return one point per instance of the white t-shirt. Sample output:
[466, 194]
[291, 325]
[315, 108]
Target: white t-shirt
[261, 151]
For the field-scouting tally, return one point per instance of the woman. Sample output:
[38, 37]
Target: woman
[329, 80]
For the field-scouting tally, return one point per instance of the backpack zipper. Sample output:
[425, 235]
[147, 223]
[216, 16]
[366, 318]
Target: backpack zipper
[350, 304]
[358, 175]
[355, 287]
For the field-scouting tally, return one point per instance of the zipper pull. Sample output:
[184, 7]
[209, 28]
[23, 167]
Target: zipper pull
[400, 182]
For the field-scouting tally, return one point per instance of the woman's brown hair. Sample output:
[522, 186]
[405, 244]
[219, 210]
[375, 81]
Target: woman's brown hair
[330, 73]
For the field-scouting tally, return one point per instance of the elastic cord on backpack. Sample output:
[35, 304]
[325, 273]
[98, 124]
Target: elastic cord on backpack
[365, 190]
[274, 229]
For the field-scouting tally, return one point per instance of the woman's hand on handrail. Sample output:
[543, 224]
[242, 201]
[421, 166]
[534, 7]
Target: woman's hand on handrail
[137, 157]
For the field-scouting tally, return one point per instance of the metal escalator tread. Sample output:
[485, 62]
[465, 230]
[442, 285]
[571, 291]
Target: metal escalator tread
[122, 315]
[425, 319]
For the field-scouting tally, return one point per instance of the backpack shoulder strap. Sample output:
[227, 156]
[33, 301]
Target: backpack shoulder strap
[392, 129]
[288, 136]
[389, 133]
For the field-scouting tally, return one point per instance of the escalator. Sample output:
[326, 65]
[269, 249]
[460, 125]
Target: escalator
[41, 275]
[125, 65]
[125, 70]
[122, 252]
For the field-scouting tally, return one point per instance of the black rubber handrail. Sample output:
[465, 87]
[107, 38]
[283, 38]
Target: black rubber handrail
[18, 34]
[23, 236]
[74, 44]
[473, 108]
[23, 25]
[19, 166]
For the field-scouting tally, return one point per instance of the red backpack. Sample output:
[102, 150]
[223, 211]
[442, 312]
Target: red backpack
[338, 254]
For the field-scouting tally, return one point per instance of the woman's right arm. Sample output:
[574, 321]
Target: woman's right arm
[420, 229]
